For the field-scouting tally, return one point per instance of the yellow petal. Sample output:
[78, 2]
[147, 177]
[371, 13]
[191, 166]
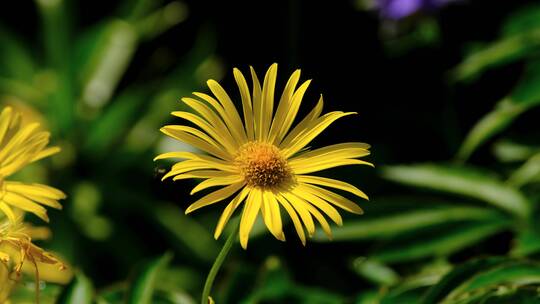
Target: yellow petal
[294, 217]
[328, 182]
[292, 110]
[195, 141]
[299, 205]
[211, 116]
[271, 215]
[300, 127]
[334, 199]
[229, 145]
[217, 181]
[25, 204]
[214, 197]
[229, 210]
[257, 104]
[311, 131]
[266, 113]
[251, 210]
[319, 203]
[246, 103]
[304, 167]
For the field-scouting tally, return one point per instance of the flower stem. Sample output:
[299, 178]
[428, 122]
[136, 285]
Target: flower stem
[218, 262]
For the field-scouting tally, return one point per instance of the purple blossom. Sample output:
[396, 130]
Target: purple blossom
[398, 9]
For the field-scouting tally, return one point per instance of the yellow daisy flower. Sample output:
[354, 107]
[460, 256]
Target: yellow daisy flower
[20, 145]
[263, 160]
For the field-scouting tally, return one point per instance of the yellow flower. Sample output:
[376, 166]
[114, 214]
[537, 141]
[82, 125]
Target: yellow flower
[17, 249]
[20, 145]
[263, 161]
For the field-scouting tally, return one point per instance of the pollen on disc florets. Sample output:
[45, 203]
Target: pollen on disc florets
[262, 165]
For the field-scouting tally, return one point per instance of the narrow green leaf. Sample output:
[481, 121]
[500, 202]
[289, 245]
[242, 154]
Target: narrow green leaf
[525, 95]
[465, 181]
[375, 271]
[438, 241]
[513, 273]
[144, 281]
[79, 291]
[109, 61]
[505, 112]
[15, 60]
[507, 151]
[502, 51]
[56, 27]
[387, 226]
[528, 172]
[460, 273]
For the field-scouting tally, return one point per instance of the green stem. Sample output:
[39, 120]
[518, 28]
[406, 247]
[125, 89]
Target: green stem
[218, 262]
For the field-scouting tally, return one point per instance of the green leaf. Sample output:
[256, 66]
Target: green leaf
[513, 274]
[502, 51]
[528, 172]
[110, 59]
[79, 291]
[144, 281]
[525, 95]
[384, 227]
[439, 241]
[507, 151]
[523, 19]
[465, 181]
[461, 273]
[505, 112]
[56, 32]
[15, 61]
[375, 271]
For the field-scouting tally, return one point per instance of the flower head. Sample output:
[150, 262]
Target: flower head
[20, 145]
[261, 160]
[16, 250]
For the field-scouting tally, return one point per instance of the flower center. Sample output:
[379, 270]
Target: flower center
[262, 165]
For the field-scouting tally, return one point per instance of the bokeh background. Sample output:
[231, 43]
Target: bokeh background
[445, 92]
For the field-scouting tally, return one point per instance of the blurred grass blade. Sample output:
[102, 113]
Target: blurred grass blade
[56, 25]
[500, 52]
[109, 62]
[186, 231]
[491, 124]
[388, 226]
[15, 61]
[525, 95]
[464, 181]
[528, 172]
[512, 274]
[161, 20]
[145, 279]
[458, 275]
[375, 271]
[507, 151]
[438, 241]
[79, 291]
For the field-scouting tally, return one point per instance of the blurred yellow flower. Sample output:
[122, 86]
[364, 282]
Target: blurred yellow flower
[20, 145]
[262, 161]
[17, 250]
